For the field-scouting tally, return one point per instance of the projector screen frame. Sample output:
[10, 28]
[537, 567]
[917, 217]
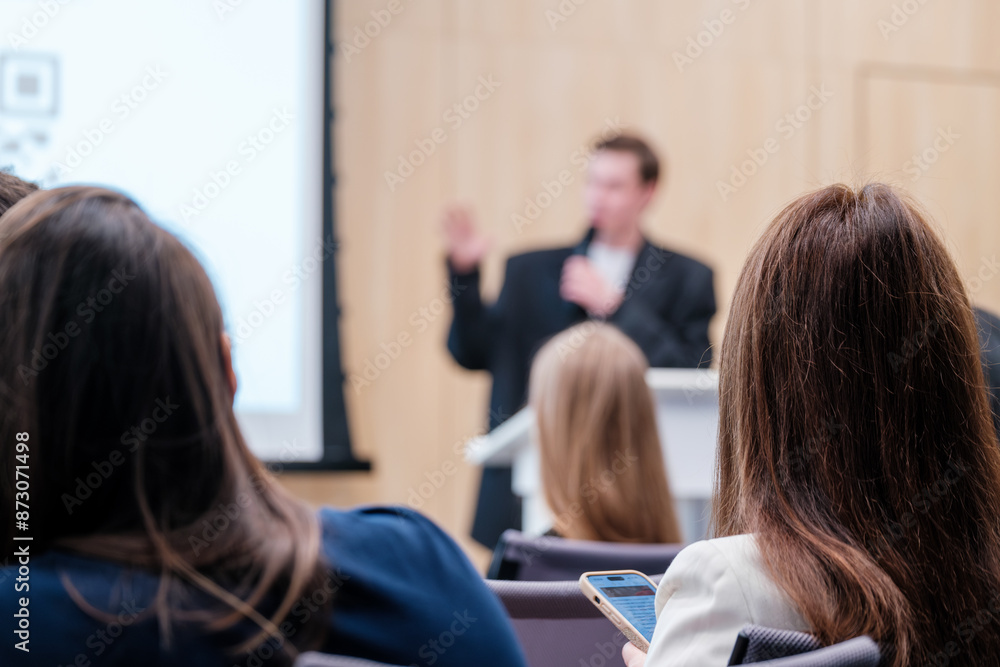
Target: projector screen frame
[337, 452]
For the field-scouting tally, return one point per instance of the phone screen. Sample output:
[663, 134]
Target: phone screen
[631, 595]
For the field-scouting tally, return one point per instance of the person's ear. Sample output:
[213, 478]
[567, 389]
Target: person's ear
[227, 364]
[648, 190]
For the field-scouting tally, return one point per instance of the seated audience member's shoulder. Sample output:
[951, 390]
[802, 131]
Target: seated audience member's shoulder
[395, 568]
[735, 549]
[372, 535]
[708, 560]
[710, 591]
[730, 571]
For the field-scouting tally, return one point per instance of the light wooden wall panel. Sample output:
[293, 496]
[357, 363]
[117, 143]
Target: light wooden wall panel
[559, 87]
[936, 132]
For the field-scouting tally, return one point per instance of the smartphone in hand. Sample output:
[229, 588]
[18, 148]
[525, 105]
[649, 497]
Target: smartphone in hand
[627, 598]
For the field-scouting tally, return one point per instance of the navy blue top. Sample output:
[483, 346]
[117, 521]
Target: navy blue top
[403, 593]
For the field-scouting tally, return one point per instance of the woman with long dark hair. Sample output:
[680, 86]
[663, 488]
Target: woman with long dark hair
[858, 488]
[156, 536]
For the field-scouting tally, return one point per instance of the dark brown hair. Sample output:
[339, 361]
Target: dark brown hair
[649, 164]
[13, 190]
[113, 367]
[855, 437]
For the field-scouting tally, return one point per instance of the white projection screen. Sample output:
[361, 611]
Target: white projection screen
[211, 115]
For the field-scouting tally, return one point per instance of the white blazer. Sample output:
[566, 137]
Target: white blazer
[710, 591]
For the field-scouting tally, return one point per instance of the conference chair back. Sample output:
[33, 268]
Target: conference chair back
[521, 558]
[557, 625]
[770, 647]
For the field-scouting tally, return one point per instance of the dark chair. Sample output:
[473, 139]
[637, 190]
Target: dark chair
[522, 558]
[557, 625]
[785, 648]
[314, 659]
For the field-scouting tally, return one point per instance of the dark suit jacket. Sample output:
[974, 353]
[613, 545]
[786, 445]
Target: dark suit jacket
[668, 303]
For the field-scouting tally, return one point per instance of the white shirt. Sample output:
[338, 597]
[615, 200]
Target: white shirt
[614, 264]
[710, 591]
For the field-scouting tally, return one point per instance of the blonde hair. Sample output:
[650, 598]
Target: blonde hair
[602, 465]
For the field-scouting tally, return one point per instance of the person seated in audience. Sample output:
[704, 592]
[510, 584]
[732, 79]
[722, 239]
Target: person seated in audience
[13, 190]
[858, 483]
[988, 325]
[602, 465]
[156, 536]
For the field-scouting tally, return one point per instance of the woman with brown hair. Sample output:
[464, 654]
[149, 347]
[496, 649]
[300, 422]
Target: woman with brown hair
[858, 488]
[154, 536]
[602, 466]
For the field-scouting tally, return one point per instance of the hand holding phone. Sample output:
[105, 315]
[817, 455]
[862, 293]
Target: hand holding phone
[627, 598]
